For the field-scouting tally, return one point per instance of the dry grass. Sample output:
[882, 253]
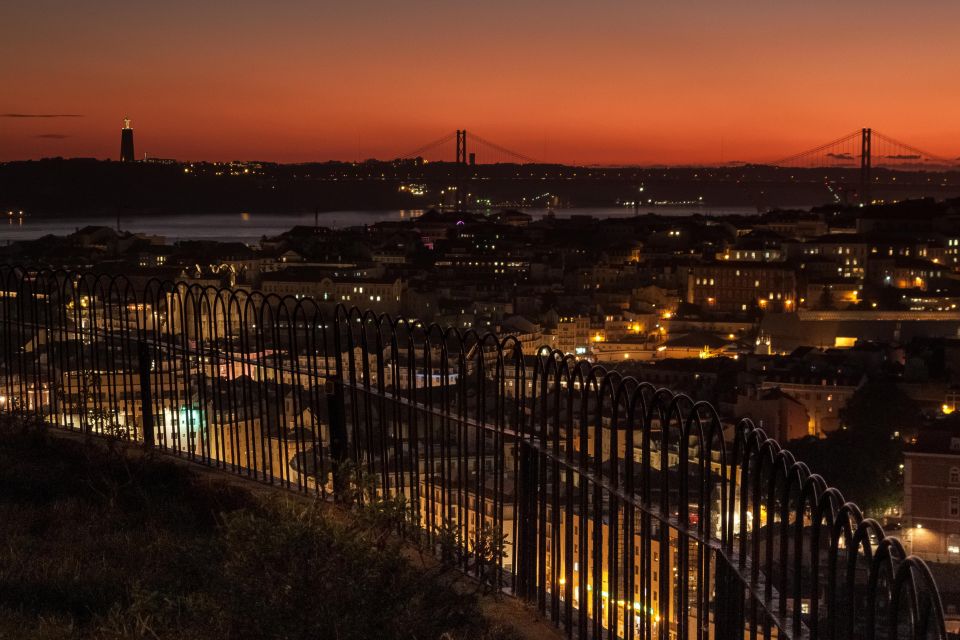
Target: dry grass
[95, 545]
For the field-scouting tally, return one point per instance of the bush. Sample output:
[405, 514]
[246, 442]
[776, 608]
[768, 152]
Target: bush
[99, 546]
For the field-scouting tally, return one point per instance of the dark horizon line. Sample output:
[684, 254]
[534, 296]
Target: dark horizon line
[933, 168]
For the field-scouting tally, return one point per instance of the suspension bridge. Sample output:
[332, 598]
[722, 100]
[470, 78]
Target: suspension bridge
[862, 150]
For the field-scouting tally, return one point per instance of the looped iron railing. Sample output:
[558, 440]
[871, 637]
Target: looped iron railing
[618, 508]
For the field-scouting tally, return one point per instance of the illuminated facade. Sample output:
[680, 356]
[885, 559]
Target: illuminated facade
[573, 333]
[742, 287]
[931, 496]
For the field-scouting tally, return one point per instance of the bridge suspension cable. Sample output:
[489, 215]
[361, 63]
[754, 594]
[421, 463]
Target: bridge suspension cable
[524, 159]
[839, 149]
[461, 147]
[850, 151]
[439, 143]
[896, 150]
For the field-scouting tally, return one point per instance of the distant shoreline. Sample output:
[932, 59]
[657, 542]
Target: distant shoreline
[252, 226]
[536, 212]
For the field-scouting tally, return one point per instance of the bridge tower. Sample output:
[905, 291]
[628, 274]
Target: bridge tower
[865, 142]
[461, 147]
[461, 166]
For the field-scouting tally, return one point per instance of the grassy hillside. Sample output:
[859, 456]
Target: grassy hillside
[95, 545]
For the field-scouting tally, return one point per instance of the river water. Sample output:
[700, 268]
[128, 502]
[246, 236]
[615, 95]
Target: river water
[251, 227]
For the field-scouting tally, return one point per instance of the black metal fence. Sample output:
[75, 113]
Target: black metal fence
[623, 510]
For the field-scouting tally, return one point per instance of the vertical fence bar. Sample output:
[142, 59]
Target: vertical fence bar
[146, 397]
[527, 529]
[339, 448]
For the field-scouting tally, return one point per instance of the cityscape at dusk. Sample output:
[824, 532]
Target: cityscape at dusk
[491, 321]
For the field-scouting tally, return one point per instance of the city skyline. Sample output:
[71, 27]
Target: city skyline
[559, 82]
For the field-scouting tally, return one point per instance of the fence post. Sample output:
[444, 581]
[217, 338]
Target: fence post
[528, 522]
[730, 618]
[337, 414]
[146, 400]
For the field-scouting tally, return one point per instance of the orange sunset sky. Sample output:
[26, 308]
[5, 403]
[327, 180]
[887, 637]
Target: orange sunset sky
[580, 82]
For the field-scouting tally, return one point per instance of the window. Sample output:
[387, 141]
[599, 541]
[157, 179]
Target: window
[953, 543]
[954, 475]
[954, 506]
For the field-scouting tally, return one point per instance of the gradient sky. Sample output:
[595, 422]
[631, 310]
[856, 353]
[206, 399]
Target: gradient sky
[597, 81]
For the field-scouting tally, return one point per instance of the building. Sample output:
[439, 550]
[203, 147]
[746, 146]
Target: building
[822, 395]
[379, 294]
[931, 495]
[846, 252]
[699, 344]
[905, 273]
[126, 142]
[832, 293]
[843, 327]
[742, 287]
[573, 334]
[796, 227]
[781, 416]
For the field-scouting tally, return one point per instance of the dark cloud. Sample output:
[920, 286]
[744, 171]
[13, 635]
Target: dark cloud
[904, 156]
[840, 156]
[52, 136]
[40, 115]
